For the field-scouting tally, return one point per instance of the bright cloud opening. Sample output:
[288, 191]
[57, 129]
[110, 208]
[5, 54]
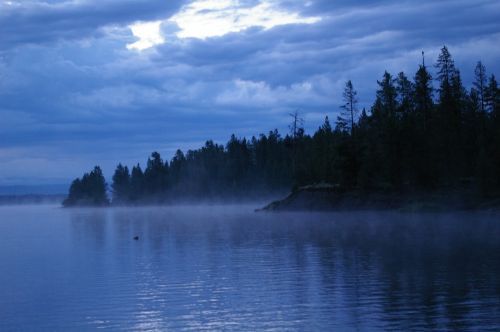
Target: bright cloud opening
[148, 33]
[211, 18]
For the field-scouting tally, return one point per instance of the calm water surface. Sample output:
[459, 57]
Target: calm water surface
[227, 268]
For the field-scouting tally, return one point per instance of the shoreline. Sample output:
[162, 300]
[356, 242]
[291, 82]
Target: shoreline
[326, 198]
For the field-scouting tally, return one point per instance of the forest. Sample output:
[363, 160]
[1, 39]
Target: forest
[422, 134]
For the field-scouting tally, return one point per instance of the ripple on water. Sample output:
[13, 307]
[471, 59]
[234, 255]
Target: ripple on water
[227, 268]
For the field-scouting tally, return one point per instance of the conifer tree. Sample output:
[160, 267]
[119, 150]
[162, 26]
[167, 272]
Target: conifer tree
[480, 84]
[349, 109]
[121, 184]
[387, 94]
[446, 69]
[136, 183]
[404, 89]
[90, 190]
[493, 97]
[423, 95]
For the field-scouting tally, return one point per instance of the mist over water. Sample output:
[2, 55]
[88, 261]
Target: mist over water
[228, 268]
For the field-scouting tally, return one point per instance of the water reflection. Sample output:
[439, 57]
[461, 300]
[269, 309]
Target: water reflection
[213, 268]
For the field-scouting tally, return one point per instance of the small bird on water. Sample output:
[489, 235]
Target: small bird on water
[136, 237]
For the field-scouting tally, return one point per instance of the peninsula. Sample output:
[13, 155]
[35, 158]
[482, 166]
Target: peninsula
[424, 139]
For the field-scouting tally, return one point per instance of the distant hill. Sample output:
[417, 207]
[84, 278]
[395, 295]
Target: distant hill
[30, 199]
[32, 194]
[45, 189]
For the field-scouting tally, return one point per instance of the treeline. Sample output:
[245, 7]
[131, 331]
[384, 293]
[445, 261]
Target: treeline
[414, 138]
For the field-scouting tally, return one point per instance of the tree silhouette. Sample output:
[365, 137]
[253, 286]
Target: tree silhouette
[480, 84]
[90, 190]
[349, 110]
[121, 185]
[407, 142]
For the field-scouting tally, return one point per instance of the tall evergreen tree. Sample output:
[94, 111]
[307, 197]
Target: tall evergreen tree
[446, 69]
[480, 84]
[297, 131]
[177, 167]
[459, 93]
[493, 97]
[387, 94]
[238, 164]
[446, 76]
[388, 138]
[423, 95]
[156, 175]
[323, 153]
[449, 121]
[121, 185]
[136, 183]
[404, 89]
[349, 108]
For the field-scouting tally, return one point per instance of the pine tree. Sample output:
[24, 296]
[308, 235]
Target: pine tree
[446, 72]
[121, 185]
[387, 94]
[322, 153]
[349, 110]
[404, 89]
[492, 97]
[480, 84]
[459, 93]
[296, 130]
[423, 95]
[136, 183]
[446, 68]
[177, 167]
[156, 175]
[90, 190]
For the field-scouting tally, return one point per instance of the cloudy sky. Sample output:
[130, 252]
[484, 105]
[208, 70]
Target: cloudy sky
[86, 82]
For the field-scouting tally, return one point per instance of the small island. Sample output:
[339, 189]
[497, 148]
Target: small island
[426, 142]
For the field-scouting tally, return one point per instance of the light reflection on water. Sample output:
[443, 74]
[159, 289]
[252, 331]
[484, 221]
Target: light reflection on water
[227, 268]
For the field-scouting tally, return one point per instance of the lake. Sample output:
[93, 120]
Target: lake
[227, 268]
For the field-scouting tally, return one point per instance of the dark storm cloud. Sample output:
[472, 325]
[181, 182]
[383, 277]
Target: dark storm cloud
[385, 28]
[381, 30]
[39, 22]
[87, 99]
